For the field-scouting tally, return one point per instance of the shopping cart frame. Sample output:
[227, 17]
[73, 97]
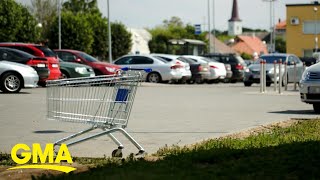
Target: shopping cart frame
[123, 87]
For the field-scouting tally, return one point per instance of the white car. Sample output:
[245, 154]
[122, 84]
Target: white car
[217, 70]
[310, 86]
[173, 59]
[161, 70]
[14, 76]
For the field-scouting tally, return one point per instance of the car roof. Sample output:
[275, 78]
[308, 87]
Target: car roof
[69, 50]
[20, 44]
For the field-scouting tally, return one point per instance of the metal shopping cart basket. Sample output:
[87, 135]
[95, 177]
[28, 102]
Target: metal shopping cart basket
[103, 102]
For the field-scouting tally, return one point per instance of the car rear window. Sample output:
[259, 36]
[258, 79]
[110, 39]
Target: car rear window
[46, 51]
[271, 59]
[161, 59]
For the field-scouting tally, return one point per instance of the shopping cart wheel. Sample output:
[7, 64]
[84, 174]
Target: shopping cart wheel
[116, 153]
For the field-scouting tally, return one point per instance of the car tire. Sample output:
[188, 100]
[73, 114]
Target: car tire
[247, 84]
[11, 83]
[64, 75]
[154, 77]
[316, 108]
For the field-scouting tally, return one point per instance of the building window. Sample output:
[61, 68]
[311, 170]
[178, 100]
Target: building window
[309, 27]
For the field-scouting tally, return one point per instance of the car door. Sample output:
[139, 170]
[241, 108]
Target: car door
[67, 56]
[290, 68]
[300, 68]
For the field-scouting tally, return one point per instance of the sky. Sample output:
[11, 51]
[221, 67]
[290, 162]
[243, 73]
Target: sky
[254, 14]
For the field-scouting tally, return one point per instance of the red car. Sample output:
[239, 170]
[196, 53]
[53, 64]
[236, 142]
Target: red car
[39, 51]
[100, 68]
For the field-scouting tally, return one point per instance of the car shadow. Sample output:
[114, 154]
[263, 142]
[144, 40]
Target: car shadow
[311, 112]
[47, 132]
[15, 93]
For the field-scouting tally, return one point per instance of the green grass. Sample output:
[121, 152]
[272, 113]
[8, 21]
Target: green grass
[280, 153]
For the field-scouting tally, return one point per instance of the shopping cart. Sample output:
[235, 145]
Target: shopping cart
[103, 102]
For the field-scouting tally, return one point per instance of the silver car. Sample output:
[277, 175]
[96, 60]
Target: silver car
[310, 86]
[14, 76]
[252, 73]
[161, 70]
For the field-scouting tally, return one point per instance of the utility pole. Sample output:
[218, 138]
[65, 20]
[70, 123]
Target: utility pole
[209, 33]
[109, 34]
[214, 26]
[272, 25]
[59, 13]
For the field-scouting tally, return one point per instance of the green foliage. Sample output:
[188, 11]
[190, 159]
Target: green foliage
[16, 23]
[121, 40]
[82, 6]
[75, 34]
[246, 56]
[281, 45]
[171, 29]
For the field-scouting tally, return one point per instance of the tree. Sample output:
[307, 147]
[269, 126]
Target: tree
[82, 6]
[281, 46]
[17, 23]
[45, 12]
[75, 34]
[171, 29]
[121, 40]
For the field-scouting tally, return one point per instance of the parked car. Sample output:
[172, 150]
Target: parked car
[217, 70]
[238, 66]
[74, 56]
[310, 86]
[14, 76]
[39, 51]
[199, 71]
[40, 64]
[173, 59]
[161, 69]
[75, 70]
[252, 74]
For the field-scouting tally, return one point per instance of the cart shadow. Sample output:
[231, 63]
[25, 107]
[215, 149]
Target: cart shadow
[306, 112]
[47, 132]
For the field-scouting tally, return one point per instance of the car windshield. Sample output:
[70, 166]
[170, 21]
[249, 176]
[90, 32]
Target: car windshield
[270, 59]
[88, 57]
[208, 60]
[46, 51]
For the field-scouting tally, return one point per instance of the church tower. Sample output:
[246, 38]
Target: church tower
[235, 23]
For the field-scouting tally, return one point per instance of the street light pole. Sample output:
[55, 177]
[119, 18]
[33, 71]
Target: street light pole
[209, 33]
[315, 30]
[59, 12]
[213, 23]
[272, 34]
[109, 34]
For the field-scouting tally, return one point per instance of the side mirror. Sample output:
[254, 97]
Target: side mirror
[78, 60]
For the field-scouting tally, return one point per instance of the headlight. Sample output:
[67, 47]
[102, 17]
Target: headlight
[80, 70]
[247, 70]
[110, 69]
[304, 75]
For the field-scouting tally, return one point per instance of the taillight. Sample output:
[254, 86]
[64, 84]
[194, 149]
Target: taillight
[55, 65]
[200, 68]
[214, 67]
[176, 66]
[239, 67]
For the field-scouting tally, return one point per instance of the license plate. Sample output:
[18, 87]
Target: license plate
[55, 65]
[256, 76]
[314, 90]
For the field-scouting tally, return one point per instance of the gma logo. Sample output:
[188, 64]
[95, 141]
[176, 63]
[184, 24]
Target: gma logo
[46, 157]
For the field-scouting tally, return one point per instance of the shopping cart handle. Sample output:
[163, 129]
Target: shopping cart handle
[147, 70]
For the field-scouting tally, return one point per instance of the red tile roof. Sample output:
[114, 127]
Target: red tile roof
[249, 45]
[281, 25]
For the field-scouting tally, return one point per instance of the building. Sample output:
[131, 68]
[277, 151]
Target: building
[218, 46]
[250, 45]
[302, 29]
[235, 23]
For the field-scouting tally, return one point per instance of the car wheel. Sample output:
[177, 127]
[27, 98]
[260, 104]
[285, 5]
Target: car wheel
[64, 75]
[233, 81]
[154, 77]
[191, 81]
[316, 108]
[11, 83]
[247, 84]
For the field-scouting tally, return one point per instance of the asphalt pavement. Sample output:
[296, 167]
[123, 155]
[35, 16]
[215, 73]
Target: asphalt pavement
[163, 114]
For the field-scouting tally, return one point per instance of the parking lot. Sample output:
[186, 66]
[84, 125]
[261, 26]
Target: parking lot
[163, 114]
